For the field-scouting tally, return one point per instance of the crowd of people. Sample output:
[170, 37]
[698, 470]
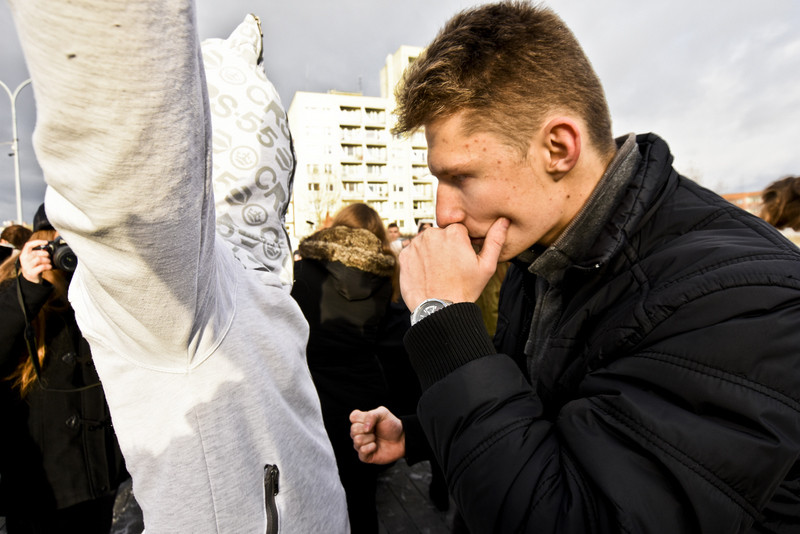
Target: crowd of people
[583, 341]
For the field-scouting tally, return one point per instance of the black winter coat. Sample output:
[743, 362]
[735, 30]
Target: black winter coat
[662, 396]
[57, 449]
[343, 284]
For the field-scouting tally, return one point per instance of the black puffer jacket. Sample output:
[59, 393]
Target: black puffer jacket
[343, 284]
[663, 393]
[57, 449]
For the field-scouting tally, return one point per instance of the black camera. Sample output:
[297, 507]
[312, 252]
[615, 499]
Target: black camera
[61, 254]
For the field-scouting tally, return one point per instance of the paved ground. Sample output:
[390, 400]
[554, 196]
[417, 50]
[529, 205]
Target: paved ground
[403, 503]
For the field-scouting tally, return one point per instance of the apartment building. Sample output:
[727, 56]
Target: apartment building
[346, 153]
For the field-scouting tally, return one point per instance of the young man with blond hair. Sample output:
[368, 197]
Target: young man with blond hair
[646, 369]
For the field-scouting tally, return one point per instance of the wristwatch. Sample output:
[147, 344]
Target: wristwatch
[427, 307]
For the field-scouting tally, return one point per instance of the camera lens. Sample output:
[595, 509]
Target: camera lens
[64, 258]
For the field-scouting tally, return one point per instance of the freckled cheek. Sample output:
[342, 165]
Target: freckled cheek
[511, 195]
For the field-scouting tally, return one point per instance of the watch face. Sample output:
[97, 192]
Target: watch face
[427, 308]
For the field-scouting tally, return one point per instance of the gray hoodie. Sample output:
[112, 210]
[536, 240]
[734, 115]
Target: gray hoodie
[195, 337]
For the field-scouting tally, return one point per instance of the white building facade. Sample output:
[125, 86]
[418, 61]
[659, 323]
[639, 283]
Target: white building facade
[346, 153]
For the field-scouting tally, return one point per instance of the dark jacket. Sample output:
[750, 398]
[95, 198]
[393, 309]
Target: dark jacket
[343, 284]
[57, 449]
[660, 390]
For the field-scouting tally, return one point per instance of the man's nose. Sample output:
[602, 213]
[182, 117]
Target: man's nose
[448, 205]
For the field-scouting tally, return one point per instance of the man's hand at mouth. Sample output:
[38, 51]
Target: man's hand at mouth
[443, 263]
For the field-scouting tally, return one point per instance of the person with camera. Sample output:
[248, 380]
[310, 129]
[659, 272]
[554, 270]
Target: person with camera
[59, 458]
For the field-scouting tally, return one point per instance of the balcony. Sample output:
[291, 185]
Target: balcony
[352, 153]
[423, 193]
[351, 135]
[375, 117]
[352, 195]
[376, 154]
[377, 190]
[353, 171]
[350, 116]
[379, 206]
[376, 172]
[352, 190]
[375, 136]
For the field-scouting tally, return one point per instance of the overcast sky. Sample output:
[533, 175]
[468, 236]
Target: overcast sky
[719, 80]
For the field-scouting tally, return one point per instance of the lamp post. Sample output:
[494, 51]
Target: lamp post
[15, 142]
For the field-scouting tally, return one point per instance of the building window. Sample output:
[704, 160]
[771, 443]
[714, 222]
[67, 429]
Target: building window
[375, 170]
[350, 133]
[352, 170]
[376, 188]
[378, 206]
[374, 134]
[350, 115]
[376, 115]
[422, 190]
[376, 153]
[352, 151]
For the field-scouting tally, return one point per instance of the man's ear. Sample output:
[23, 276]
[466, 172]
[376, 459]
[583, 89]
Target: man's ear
[562, 138]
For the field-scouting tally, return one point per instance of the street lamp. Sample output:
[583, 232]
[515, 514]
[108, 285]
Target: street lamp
[15, 142]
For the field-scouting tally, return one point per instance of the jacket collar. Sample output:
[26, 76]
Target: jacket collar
[353, 247]
[610, 214]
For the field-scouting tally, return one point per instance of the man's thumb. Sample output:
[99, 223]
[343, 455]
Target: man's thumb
[493, 243]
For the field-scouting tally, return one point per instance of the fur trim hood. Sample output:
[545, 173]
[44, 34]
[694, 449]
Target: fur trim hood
[354, 247]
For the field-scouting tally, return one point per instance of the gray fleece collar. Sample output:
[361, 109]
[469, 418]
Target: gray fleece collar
[582, 233]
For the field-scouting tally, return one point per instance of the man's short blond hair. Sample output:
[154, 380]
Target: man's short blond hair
[507, 66]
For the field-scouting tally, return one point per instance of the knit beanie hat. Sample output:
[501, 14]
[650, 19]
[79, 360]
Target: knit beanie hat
[40, 221]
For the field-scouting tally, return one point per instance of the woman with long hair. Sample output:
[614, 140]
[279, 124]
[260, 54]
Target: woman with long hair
[59, 458]
[344, 284]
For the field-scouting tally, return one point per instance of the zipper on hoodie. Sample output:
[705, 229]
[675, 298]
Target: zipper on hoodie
[271, 475]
